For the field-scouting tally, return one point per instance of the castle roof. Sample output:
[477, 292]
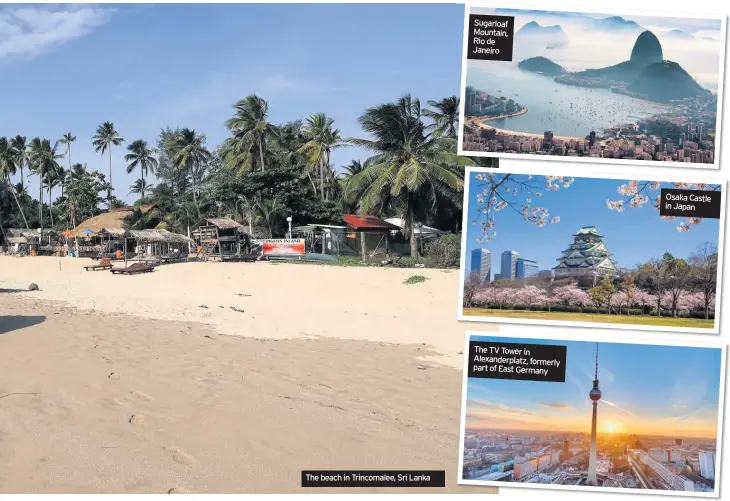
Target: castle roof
[588, 230]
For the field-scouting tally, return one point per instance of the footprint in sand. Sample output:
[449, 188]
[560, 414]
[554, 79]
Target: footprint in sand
[179, 490]
[142, 396]
[179, 456]
[138, 420]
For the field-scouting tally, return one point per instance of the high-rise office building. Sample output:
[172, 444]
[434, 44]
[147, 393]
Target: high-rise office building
[707, 464]
[526, 268]
[481, 262]
[509, 265]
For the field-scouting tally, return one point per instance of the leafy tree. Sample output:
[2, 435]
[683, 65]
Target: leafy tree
[704, 268]
[602, 294]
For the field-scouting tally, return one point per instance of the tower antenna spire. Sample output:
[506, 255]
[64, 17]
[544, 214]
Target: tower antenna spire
[596, 376]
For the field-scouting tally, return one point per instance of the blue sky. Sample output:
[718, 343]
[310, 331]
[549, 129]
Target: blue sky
[645, 389]
[70, 68]
[633, 236]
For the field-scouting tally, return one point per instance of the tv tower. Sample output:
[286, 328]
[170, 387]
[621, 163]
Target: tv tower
[595, 396]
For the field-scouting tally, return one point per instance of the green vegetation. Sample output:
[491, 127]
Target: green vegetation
[259, 175]
[591, 317]
[415, 279]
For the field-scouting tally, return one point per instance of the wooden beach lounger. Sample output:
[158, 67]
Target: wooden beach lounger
[133, 269]
[104, 264]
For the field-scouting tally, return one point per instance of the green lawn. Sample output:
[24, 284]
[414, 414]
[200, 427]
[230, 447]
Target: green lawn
[694, 323]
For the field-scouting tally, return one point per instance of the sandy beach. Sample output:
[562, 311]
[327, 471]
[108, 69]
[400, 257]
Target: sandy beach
[484, 124]
[223, 377]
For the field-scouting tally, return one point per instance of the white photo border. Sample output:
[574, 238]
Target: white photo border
[613, 340]
[598, 10]
[525, 166]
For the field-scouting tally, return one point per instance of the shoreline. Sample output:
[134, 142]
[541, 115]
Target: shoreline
[484, 125]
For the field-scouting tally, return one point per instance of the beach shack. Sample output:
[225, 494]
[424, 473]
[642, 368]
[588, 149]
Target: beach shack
[222, 237]
[370, 233]
[325, 239]
[103, 234]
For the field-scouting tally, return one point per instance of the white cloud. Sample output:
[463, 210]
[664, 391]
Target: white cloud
[28, 31]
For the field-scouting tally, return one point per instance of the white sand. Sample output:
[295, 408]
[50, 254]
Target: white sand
[280, 301]
[101, 402]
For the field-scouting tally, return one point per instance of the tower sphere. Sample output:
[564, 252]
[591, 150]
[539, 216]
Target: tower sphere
[595, 394]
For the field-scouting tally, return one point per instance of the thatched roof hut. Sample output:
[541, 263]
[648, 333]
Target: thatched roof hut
[160, 236]
[222, 223]
[110, 220]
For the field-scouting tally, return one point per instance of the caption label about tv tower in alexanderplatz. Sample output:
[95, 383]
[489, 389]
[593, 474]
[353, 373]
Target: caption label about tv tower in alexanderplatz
[524, 362]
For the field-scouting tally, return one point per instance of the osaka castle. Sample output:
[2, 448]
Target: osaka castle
[587, 256]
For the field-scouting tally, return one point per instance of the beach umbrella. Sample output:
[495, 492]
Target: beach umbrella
[87, 232]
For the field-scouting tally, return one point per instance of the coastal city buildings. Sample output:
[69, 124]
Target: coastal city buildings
[636, 146]
[587, 257]
[481, 263]
[682, 136]
[598, 459]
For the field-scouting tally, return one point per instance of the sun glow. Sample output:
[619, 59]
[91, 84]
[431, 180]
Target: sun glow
[611, 426]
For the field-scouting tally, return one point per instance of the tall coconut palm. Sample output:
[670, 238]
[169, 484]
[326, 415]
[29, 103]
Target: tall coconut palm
[43, 159]
[250, 131]
[142, 157]
[19, 149]
[322, 138]
[140, 186]
[52, 179]
[411, 166]
[445, 116]
[67, 139]
[190, 154]
[107, 136]
[8, 168]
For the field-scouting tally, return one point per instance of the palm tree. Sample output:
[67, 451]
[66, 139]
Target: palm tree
[106, 136]
[251, 130]
[321, 140]
[411, 166]
[445, 116]
[140, 155]
[355, 167]
[19, 150]
[50, 181]
[44, 162]
[268, 210]
[67, 139]
[190, 154]
[8, 168]
[140, 186]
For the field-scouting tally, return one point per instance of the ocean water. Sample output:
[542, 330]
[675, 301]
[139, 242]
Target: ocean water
[564, 109]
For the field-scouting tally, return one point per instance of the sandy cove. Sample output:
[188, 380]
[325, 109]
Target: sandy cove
[484, 124]
[96, 400]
